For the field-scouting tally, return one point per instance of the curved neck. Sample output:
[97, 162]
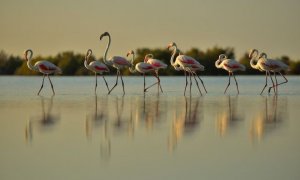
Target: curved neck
[106, 50]
[253, 61]
[173, 55]
[30, 66]
[132, 67]
[87, 57]
[218, 63]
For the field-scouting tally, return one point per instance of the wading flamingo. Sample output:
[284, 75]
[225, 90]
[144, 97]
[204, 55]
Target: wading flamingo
[141, 67]
[275, 67]
[231, 66]
[157, 64]
[187, 64]
[260, 64]
[96, 67]
[44, 67]
[115, 61]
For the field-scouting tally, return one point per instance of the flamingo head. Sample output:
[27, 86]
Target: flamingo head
[148, 56]
[172, 44]
[104, 34]
[222, 57]
[262, 55]
[252, 51]
[130, 52]
[26, 54]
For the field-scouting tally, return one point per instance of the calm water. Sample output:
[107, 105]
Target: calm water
[77, 135]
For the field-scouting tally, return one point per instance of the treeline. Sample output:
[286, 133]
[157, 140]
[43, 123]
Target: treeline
[73, 64]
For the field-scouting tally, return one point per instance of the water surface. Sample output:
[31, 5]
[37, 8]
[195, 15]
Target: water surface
[78, 135]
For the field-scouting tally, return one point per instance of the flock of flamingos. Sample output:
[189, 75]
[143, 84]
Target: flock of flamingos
[185, 63]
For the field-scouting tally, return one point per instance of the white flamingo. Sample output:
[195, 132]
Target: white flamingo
[231, 66]
[187, 64]
[96, 67]
[141, 67]
[260, 64]
[275, 66]
[157, 64]
[117, 62]
[44, 67]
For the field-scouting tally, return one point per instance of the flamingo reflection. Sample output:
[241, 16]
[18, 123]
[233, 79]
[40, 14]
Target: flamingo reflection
[186, 122]
[45, 121]
[99, 117]
[229, 117]
[267, 120]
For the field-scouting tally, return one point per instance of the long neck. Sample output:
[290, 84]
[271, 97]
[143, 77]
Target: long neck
[218, 63]
[253, 62]
[30, 66]
[173, 56]
[132, 68]
[106, 50]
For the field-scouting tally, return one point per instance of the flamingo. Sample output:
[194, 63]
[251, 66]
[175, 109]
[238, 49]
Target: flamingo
[275, 67]
[187, 64]
[262, 64]
[157, 64]
[96, 67]
[44, 67]
[115, 61]
[141, 67]
[231, 66]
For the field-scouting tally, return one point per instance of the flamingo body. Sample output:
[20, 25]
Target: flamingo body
[157, 64]
[232, 65]
[98, 67]
[46, 67]
[143, 67]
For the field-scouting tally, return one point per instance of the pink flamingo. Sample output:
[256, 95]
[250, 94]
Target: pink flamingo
[115, 61]
[44, 67]
[275, 67]
[187, 64]
[157, 64]
[231, 66]
[96, 67]
[141, 67]
[261, 64]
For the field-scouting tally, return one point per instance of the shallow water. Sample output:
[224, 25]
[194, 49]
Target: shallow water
[77, 135]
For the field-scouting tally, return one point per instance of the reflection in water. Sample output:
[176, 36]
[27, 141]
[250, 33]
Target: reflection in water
[268, 118]
[99, 117]
[229, 116]
[186, 122]
[45, 121]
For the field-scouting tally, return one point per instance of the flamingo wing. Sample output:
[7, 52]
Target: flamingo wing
[45, 66]
[120, 61]
[157, 63]
[187, 60]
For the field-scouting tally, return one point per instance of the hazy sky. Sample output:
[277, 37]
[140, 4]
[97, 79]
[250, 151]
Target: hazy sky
[52, 26]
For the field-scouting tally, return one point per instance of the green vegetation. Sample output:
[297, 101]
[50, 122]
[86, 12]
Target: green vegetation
[73, 64]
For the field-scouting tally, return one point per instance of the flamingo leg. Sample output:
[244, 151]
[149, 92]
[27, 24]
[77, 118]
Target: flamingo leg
[42, 84]
[190, 83]
[281, 82]
[197, 83]
[115, 83]
[144, 83]
[228, 83]
[266, 83]
[237, 86]
[186, 82]
[105, 82]
[158, 79]
[96, 83]
[51, 84]
[122, 84]
[151, 84]
[201, 82]
[272, 81]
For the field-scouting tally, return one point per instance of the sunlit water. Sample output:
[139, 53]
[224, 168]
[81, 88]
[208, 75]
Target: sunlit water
[77, 135]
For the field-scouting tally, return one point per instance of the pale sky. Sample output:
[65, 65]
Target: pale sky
[52, 26]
